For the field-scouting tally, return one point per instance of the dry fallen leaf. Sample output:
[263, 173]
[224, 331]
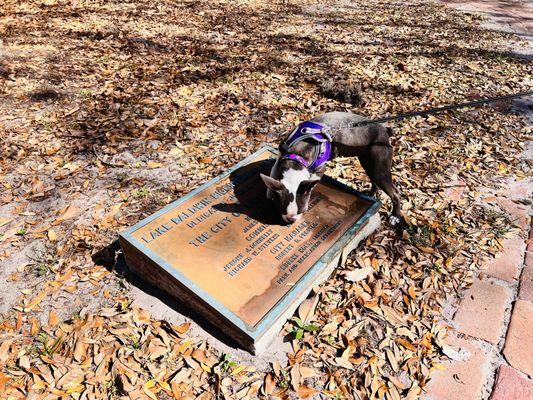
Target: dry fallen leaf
[52, 319]
[358, 274]
[36, 300]
[52, 235]
[305, 392]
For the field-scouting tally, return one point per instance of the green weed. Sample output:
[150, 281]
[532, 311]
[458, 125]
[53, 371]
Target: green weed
[300, 328]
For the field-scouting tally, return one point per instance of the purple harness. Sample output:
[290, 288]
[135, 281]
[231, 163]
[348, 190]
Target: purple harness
[312, 131]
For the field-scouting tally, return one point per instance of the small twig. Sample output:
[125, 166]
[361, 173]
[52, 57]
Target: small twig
[440, 187]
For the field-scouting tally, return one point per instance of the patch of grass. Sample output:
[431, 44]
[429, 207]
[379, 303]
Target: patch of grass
[86, 93]
[113, 390]
[48, 125]
[124, 304]
[284, 380]
[420, 235]
[121, 176]
[498, 220]
[21, 232]
[42, 270]
[47, 349]
[226, 365]
[331, 340]
[141, 193]
[44, 262]
[300, 328]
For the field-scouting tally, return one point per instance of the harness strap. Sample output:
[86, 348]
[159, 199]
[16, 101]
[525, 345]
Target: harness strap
[297, 158]
[317, 135]
[310, 131]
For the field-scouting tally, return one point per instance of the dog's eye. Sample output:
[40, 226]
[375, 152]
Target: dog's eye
[273, 195]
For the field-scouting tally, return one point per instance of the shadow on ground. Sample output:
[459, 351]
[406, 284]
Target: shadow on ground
[112, 258]
[250, 193]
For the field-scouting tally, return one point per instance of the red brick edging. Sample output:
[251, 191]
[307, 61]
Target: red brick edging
[493, 340]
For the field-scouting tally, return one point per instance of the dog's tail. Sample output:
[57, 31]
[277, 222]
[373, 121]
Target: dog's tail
[390, 132]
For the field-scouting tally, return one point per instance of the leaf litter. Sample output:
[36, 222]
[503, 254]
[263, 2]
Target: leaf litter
[113, 109]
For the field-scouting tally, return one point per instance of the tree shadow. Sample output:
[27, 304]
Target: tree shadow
[230, 41]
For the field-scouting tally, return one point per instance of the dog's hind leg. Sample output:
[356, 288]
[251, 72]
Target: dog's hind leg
[378, 167]
[367, 166]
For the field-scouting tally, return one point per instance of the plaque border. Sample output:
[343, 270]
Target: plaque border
[257, 331]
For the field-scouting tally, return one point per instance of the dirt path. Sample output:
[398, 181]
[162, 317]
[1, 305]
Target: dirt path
[512, 16]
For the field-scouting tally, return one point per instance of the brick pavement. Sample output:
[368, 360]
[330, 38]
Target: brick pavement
[509, 15]
[494, 323]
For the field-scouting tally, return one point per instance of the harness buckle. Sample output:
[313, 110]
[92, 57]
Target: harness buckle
[326, 131]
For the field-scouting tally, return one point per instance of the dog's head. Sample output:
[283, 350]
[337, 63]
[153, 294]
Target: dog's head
[289, 188]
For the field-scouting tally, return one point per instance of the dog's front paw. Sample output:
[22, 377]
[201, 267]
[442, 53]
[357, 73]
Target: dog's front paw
[393, 220]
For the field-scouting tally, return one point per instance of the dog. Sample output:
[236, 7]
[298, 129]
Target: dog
[304, 153]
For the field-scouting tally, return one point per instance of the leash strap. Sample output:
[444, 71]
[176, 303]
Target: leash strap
[399, 117]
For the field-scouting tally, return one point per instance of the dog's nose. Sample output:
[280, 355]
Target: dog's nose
[291, 218]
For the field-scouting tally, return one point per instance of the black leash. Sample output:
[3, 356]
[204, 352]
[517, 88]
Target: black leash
[399, 117]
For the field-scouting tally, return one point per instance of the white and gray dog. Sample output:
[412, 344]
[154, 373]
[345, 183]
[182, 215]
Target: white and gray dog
[304, 153]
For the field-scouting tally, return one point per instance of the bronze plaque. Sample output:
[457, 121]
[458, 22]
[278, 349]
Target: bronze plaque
[226, 245]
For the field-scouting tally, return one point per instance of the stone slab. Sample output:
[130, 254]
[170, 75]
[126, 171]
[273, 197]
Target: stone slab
[455, 190]
[506, 265]
[518, 213]
[528, 259]
[463, 378]
[481, 313]
[222, 251]
[519, 341]
[511, 385]
[526, 284]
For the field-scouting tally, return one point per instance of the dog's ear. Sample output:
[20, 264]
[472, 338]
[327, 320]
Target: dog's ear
[307, 186]
[272, 183]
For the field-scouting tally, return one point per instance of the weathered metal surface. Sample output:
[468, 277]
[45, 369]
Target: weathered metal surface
[222, 250]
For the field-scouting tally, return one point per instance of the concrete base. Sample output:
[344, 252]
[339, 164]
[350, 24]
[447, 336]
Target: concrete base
[262, 343]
